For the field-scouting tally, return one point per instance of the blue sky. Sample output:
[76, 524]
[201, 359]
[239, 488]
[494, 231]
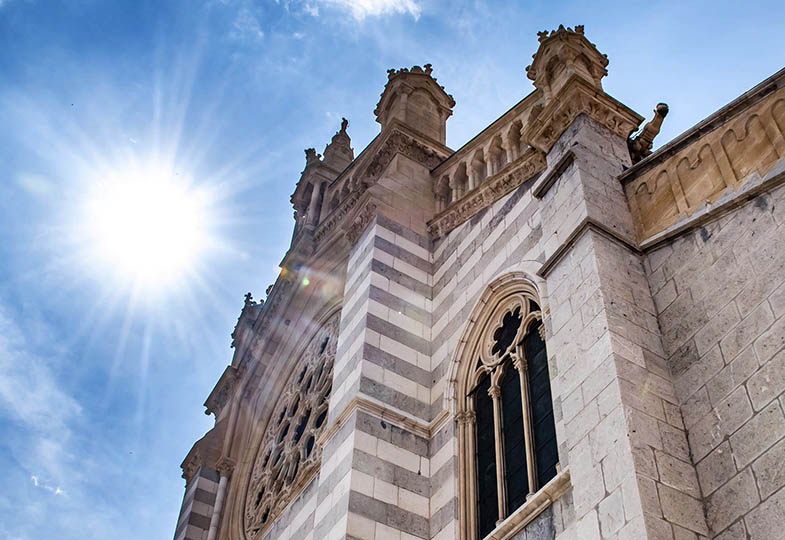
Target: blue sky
[102, 379]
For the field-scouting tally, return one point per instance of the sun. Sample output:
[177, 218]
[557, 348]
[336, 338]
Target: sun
[147, 224]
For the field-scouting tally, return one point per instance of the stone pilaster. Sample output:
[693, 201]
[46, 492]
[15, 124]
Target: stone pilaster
[627, 447]
[197, 508]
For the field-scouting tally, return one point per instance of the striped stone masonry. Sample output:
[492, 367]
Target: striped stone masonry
[666, 354]
[376, 463]
[197, 508]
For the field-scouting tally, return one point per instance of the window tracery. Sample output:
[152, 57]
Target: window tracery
[289, 455]
[505, 418]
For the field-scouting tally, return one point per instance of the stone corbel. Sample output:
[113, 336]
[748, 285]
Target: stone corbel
[578, 97]
[357, 226]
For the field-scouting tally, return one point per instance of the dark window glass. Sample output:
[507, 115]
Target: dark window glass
[514, 447]
[487, 505]
[543, 429]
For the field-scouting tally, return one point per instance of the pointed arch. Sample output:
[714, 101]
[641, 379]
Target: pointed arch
[500, 386]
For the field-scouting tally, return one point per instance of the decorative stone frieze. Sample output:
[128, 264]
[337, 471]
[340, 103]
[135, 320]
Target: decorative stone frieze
[578, 97]
[718, 154]
[399, 143]
[396, 143]
[527, 165]
[360, 222]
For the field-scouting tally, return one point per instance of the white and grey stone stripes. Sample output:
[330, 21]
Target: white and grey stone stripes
[197, 507]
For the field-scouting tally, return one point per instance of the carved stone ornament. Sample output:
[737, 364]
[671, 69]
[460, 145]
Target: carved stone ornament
[399, 143]
[356, 228]
[519, 171]
[396, 143]
[222, 392]
[578, 97]
[640, 145]
[288, 455]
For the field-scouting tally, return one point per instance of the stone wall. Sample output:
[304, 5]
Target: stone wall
[719, 290]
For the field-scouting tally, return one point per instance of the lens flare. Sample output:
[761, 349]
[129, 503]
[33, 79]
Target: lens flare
[147, 224]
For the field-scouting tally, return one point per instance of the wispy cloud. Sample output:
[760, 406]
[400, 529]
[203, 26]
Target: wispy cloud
[31, 397]
[54, 490]
[360, 9]
[246, 26]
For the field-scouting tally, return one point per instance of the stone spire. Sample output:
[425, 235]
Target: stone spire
[339, 153]
[413, 97]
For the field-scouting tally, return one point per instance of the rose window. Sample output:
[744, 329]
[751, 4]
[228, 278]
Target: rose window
[289, 455]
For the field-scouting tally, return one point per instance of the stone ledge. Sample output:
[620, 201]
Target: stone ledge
[585, 225]
[533, 507]
[392, 415]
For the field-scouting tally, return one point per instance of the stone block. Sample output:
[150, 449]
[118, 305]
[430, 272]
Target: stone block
[732, 501]
[769, 469]
[746, 331]
[767, 521]
[717, 327]
[734, 532]
[716, 468]
[768, 382]
[762, 431]
[611, 513]
[677, 474]
[728, 416]
[732, 375]
[771, 342]
[681, 509]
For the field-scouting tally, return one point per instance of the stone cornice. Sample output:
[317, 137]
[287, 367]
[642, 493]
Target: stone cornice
[397, 141]
[386, 413]
[512, 176]
[222, 392]
[578, 97]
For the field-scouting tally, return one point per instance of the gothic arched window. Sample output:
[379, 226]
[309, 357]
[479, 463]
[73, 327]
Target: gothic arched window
[505, 412]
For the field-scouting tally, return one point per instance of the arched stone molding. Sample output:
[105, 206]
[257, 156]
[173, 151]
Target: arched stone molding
[517, 292]
[250, 419]
[506, 280]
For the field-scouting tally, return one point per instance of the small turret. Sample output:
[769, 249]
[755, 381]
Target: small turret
[413, 97]
[565, 53]
[339, 153]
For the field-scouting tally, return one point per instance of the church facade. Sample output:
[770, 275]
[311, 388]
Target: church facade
[549, 333]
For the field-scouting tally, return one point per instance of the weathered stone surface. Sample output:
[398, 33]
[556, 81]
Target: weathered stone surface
[666, 353]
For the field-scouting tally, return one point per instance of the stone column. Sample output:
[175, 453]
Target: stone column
[625, 440]
[314, 205]
[225, 469]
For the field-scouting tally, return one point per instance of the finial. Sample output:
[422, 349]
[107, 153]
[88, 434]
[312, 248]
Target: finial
[428, 69]
[579, 29]
[248, 298]
[542, 36]
[390, 73]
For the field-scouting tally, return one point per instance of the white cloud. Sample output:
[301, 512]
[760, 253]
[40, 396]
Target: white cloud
[47, 487]
[246, 26]
[28, 389]
[360, 9]
[31, 396]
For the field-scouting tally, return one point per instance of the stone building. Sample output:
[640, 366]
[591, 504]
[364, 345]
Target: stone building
[549, 333]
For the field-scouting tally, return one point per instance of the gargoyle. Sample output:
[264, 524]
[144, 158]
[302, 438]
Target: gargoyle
[640, 146]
